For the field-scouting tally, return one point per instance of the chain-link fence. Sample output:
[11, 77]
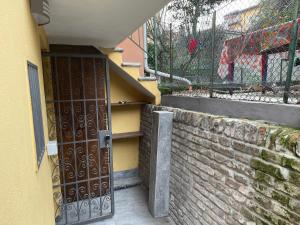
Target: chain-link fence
[240, 49]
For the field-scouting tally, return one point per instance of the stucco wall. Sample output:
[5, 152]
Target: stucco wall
[125, 119]
[229, 171]
[133, 52]
[26, 191]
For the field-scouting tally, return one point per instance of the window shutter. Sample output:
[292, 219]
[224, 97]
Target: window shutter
[36, 111]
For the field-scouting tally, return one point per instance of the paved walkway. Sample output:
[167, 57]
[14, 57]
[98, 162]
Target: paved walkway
[131, 209]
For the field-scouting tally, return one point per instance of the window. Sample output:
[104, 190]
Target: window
[36, 111]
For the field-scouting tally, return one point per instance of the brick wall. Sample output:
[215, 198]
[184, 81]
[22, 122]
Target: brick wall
[228, 171]
[145, 144]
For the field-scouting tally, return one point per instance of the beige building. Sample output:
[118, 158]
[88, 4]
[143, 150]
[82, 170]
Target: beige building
[240, 20]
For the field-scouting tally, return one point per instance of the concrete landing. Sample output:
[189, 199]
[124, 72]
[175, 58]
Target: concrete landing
[131, 208]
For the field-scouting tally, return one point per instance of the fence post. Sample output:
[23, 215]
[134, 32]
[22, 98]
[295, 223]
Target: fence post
[155, 45]
[213, 39]
[171, 58]
[292, 53]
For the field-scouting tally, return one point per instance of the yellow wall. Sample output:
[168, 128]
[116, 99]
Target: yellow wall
[125, 119]
[126, 154]
[246, 17]
[122, 91]
[26, 191]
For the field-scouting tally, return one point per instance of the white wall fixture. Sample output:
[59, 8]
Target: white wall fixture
[52, 148]
[40, 11]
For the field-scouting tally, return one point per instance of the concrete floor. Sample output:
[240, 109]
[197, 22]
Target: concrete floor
[131, 209]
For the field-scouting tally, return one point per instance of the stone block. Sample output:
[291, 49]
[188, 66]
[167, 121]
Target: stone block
[160, 163]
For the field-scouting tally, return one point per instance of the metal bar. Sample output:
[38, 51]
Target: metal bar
[99, 150]
[292, 53]
[281, 70]
[88, 180]
[155, 45]
[76, 100]
[107, 83]
[73, 134]
[91, 220]
[213, 53]
[72, 55]
[77, 142]
[137, 44]
[242, 75]
[61, 138]
[264, 70]
[231, 68]
[171, 57]
[139, 36]
[63, 164]
[86, 135]
[81, 181]
[280, 75]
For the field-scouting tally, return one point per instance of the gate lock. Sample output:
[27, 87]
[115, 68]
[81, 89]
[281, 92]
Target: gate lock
[104, 138]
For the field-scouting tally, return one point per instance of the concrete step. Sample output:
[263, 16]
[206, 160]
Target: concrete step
[130, 64]
[119, 50]
[122, 183]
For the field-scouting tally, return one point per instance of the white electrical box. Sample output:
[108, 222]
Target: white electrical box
[52, 148]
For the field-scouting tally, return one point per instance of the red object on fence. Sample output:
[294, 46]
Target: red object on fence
[193, 44]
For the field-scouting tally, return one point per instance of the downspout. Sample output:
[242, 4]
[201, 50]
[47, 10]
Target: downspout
[159, 73]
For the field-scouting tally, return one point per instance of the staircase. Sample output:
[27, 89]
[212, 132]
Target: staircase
[131, 72]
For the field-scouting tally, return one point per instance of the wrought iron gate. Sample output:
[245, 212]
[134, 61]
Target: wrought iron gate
[81, 98]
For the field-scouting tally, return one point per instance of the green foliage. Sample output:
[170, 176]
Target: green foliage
[166, 90]
[273, 12]
[187, 24]
[267, 168]
[189, 11]
[151, 60]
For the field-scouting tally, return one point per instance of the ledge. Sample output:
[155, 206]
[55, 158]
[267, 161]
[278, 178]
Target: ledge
[120, 50]
[282, 114]
[130, 64]
[128, 103]
[127, 135]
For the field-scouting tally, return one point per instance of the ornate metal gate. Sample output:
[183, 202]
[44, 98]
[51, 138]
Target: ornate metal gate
[81, 98]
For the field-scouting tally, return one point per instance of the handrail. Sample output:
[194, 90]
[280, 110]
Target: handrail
[151, 71]
[159, 73]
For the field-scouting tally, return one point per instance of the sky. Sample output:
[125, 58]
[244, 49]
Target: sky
[222, 10]
[232, 6]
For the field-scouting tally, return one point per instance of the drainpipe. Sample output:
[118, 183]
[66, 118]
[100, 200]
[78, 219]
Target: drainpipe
[159, 73]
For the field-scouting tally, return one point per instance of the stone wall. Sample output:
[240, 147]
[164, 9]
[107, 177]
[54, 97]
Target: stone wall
[228, 171]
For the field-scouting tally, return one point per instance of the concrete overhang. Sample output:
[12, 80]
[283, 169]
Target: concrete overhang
[101, 23]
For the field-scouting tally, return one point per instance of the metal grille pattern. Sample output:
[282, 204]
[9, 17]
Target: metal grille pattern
[82, 108]
[239, 49]
[36, 111]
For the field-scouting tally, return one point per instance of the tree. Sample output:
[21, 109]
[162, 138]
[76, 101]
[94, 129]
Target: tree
[273, 12]
[189, 12]
[162, 40]
[187, 17]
